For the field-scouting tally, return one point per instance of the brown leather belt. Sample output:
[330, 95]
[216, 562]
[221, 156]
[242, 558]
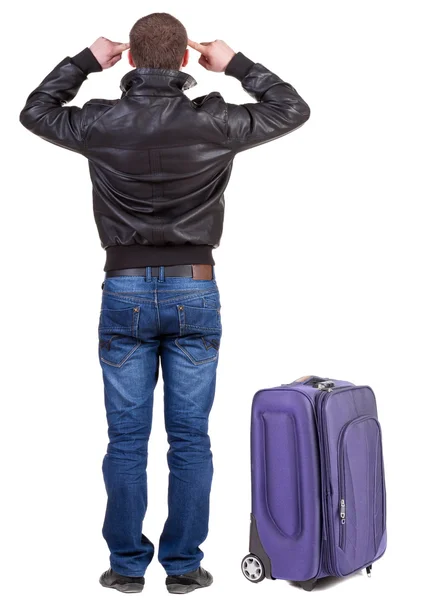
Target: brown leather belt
[193, 271]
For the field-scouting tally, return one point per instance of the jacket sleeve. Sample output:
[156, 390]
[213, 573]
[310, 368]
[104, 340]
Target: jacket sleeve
[278, 109]
[44, 113]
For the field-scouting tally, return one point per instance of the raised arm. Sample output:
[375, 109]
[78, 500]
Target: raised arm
[44, 113]
[278, 109]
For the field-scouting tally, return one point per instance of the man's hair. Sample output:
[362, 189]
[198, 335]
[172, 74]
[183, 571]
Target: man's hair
[158, 41]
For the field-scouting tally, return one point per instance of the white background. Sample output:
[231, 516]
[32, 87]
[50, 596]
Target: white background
[318, 271]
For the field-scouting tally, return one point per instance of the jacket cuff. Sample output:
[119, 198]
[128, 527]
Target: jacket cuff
[239, 66]
[86, 61]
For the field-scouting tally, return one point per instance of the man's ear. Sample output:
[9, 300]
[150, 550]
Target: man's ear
[185, 58]
[130, 59]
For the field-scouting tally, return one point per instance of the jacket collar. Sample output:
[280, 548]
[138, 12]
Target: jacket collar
[156, 82]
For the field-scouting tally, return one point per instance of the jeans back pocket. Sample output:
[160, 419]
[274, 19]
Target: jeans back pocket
[200, 333]
[118, 334]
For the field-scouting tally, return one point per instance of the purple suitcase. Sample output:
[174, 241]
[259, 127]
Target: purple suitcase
[318, 486]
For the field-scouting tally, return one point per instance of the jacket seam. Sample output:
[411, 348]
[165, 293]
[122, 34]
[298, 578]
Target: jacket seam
[168, 147]
[224, 119]
[69, 61]
[101, 102]
[176, 95]
[263, 137]
[89, 127]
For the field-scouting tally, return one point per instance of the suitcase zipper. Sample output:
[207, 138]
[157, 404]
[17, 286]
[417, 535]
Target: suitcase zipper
[326, 494]
[342, 531]
[341, 468]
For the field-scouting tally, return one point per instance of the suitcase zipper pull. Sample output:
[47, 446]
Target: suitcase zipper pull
[342, 512]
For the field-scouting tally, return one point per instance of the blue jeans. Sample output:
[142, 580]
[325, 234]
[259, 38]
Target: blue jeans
[143, 320]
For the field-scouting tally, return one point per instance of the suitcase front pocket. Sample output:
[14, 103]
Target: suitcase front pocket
[361, 510]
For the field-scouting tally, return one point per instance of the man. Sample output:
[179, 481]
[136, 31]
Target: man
[159, 164]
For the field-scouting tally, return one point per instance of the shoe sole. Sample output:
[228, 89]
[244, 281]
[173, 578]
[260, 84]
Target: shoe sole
[179, 588]
[126, 588]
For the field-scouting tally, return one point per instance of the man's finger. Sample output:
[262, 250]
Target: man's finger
[199, 47]
[119, 47]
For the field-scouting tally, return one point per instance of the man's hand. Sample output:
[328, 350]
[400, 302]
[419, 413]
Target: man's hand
[106, 52]
[215, 56]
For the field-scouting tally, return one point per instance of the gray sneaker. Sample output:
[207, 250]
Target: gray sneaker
[122, 583]
[187, 582]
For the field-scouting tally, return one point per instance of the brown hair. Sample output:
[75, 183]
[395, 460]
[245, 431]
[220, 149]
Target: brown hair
[158, 41]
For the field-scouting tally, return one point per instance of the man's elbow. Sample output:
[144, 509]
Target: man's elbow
[30, 117]
[295, 115]
[304, 112]
[25, 118]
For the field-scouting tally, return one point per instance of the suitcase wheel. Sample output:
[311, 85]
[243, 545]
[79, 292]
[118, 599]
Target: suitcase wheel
[252, 568]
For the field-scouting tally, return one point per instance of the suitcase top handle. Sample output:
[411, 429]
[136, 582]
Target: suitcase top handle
[323, 383]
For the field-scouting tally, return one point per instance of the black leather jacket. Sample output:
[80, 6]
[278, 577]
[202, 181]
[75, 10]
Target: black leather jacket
[160, 162]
